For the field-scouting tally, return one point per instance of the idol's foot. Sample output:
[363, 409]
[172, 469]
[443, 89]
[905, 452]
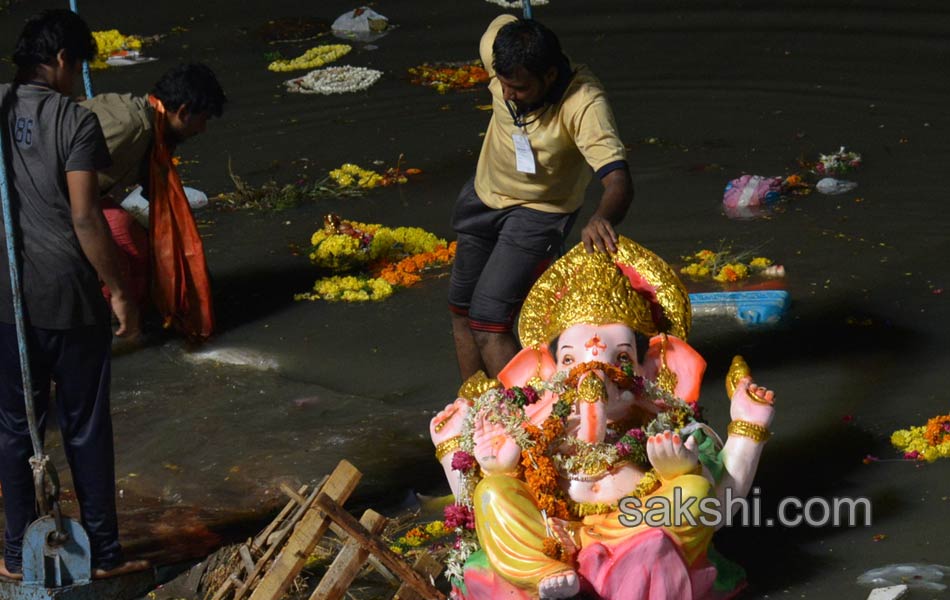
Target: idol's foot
[132, 566]
[562, 585]
[4, 573]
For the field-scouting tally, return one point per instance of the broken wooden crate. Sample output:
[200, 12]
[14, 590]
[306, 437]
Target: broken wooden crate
[269, 563]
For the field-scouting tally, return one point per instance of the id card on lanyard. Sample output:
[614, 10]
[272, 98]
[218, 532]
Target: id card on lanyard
[524, 157]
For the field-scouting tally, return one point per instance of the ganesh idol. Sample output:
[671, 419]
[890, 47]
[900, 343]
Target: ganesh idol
[565, 460]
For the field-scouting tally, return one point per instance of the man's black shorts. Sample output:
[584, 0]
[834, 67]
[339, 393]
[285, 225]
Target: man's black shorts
[499, 256]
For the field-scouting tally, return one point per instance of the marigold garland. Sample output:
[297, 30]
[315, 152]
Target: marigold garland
[311, 59]
[444, 77]
[928, 442]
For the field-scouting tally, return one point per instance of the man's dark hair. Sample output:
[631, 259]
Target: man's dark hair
[193, 85]
[45, 34]
[529, 44]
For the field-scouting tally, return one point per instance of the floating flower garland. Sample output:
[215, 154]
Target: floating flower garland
[725, 266]
[351, 175]
[371, 260]
[349, 289]
[929, 442]
[516, 3]
[445, 77]
[334, 80]
[837, 163]
[108, 43]
[312, 58]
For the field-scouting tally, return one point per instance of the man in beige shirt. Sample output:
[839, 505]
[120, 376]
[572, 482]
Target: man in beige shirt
[551, 126]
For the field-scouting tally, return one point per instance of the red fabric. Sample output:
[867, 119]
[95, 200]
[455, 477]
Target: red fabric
[181, 289]
[132, 240]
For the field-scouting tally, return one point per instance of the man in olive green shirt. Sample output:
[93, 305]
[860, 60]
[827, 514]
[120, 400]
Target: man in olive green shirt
[191, 95]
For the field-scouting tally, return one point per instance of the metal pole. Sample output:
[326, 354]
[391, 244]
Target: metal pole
[525, 4]
[17, 297]
[86, 75]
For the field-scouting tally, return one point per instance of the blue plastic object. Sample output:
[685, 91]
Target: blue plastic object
[127, 587]
[86, 75]
[52, 565]
[753, 308]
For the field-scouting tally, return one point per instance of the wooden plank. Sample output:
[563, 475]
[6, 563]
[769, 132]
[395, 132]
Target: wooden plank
[308, 532]
[372, 543]
[382, 570]
[262, 536]
[246, 559]
[224, 589]
[277, 543]
[277, 537]
[427, 566]
[348, 563]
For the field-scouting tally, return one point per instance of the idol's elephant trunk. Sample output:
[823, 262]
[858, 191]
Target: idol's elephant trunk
[592, 408]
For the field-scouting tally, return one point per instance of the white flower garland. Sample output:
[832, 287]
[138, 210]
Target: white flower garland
[334, 80]
[516, 3]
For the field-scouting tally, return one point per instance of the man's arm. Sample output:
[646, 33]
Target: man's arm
[599, 232]
[96, 242]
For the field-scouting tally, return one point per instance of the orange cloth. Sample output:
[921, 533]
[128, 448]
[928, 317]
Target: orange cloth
[180, 286]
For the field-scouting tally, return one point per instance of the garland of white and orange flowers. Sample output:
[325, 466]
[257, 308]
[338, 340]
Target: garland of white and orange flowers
[312, 58]
[334, 80]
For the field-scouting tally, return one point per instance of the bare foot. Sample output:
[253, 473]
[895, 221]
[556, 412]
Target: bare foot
[562, 585]
[132, 566]
[7, 574]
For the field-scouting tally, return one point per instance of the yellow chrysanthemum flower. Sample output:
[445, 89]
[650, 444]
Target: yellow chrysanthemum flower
[312, 58]
[108, 43]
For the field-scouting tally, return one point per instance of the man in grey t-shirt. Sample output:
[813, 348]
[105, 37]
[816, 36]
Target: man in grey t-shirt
[54, 148]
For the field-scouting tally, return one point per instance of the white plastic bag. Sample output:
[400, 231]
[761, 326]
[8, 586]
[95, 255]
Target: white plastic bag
[136, 205]
[360, 20]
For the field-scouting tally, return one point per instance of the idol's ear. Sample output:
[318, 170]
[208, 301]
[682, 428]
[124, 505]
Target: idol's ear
[669, 355]
[528, 364]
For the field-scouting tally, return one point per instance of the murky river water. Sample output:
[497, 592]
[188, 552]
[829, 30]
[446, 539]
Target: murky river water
[702, 92]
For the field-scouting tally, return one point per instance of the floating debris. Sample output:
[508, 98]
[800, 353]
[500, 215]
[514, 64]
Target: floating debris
[362, 23]
[293, 29]
[516, 3]
[726, 266]
[920, 576]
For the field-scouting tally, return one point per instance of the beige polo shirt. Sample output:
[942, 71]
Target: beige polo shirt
[568, 139]
[126, 122]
